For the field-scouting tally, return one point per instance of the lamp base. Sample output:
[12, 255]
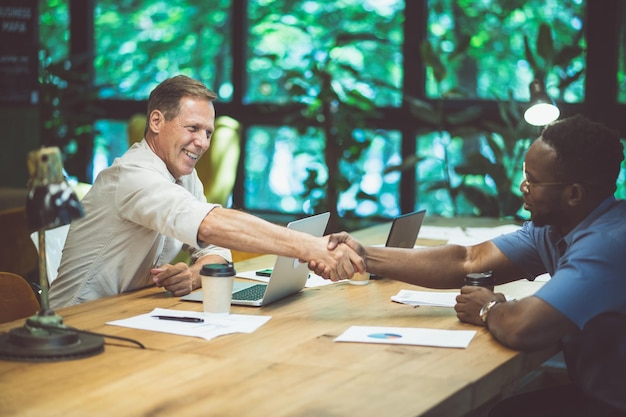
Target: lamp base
[31, 343]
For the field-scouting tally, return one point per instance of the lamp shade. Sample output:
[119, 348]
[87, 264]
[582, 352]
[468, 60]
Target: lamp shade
[541, 110]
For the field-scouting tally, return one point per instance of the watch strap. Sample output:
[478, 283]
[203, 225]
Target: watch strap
[484, 311]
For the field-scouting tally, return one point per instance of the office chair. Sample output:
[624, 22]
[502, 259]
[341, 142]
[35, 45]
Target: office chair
[217, 169]
[17, 253]
[17, 299]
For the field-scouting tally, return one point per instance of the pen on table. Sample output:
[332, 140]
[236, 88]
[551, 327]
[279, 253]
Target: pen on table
[185, 319]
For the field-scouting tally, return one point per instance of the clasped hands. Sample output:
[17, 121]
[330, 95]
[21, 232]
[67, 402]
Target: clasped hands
[349, 255]
[178, 278]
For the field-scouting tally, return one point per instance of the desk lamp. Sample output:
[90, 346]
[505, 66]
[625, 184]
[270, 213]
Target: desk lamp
[50, 203]
[541, 110]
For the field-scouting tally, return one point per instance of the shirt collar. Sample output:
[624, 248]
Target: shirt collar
[586, 222]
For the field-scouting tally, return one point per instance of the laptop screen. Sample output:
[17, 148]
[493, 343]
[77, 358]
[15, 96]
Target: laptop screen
[405, 229]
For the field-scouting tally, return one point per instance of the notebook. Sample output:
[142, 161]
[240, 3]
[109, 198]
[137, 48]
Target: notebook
[288, 275]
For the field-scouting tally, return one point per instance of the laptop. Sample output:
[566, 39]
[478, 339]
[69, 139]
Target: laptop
[404, 231]
[288, 275]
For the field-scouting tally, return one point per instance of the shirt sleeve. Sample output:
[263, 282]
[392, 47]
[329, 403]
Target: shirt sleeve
[521, 249]
[194, 185]
[146, 197]
[588, 280]
[210, 250]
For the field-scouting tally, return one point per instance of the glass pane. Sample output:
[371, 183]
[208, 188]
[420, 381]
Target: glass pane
[471, 175]
[276, 165]
[286, 172]
[54, 29]
[111, 141]
[140, 43]
[371, 192]
[298, 46]
[478, 48]
[621, 71]
[621, 179]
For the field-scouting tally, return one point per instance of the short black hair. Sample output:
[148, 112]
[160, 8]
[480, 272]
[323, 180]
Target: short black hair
[587, 152]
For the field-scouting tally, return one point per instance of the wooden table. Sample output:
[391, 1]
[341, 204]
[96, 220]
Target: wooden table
[289, 367]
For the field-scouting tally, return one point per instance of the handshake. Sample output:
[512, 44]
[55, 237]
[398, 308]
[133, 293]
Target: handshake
[345, 256]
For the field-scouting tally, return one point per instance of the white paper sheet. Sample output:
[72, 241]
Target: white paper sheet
[210, 329]
[426, 298]
[408, 336]
[465, 235]
[430, 298]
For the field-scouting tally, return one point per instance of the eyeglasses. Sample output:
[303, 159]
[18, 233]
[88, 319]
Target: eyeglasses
[527, 185]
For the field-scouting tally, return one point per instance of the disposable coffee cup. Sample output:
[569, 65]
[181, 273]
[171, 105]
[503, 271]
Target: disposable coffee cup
[217, 288]
[360, 278]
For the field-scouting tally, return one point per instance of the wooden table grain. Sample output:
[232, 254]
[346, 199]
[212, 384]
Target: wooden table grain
[290, 366]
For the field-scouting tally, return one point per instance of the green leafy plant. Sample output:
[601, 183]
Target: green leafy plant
[486, 175]
[448, 125]
[547, 57]
[67, 112]
[333, 106]
[492, 175]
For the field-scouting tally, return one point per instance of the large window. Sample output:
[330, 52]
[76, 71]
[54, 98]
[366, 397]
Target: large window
[294, 44]
[482, 48]
[368, 108]
[287, 173]
[140, 43]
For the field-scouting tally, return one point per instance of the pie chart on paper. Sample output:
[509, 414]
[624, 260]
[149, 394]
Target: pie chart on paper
[384, 336]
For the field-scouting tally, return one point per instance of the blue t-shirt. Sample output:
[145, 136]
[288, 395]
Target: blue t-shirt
[587, 265]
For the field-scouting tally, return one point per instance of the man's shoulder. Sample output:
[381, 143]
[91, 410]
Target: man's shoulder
[609, 216]
[137, 160]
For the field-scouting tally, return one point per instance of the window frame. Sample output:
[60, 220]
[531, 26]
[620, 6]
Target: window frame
[603, 26]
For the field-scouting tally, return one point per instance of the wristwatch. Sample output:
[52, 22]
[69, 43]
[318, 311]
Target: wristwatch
[484, 311]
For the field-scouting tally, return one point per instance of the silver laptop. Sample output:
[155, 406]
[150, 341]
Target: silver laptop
[288, 275]
[405, 229]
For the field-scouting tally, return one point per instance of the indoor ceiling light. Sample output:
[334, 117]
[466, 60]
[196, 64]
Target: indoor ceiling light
[541, 110]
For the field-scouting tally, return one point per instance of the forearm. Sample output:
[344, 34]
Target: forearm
[528, 324]
[441, 266]
[241, 231]
[437, 267]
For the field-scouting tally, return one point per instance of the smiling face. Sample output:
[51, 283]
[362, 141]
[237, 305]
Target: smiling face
[544, 192]
[181, 141]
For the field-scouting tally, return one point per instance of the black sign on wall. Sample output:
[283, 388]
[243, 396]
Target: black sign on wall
[18, 52]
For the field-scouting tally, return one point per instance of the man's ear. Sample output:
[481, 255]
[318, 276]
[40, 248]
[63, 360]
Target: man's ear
[155, 121]
[576, 194]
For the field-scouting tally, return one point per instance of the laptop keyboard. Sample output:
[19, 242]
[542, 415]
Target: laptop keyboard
[252, 293]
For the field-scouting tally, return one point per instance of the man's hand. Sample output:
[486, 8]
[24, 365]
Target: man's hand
[341, 242]
[471, 300]
[178, 279]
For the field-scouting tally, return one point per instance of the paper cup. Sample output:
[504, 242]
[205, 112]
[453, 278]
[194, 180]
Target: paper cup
[217, 288]
[360, 278]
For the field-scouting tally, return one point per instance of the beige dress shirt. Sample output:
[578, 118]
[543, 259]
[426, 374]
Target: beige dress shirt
[136, 218]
